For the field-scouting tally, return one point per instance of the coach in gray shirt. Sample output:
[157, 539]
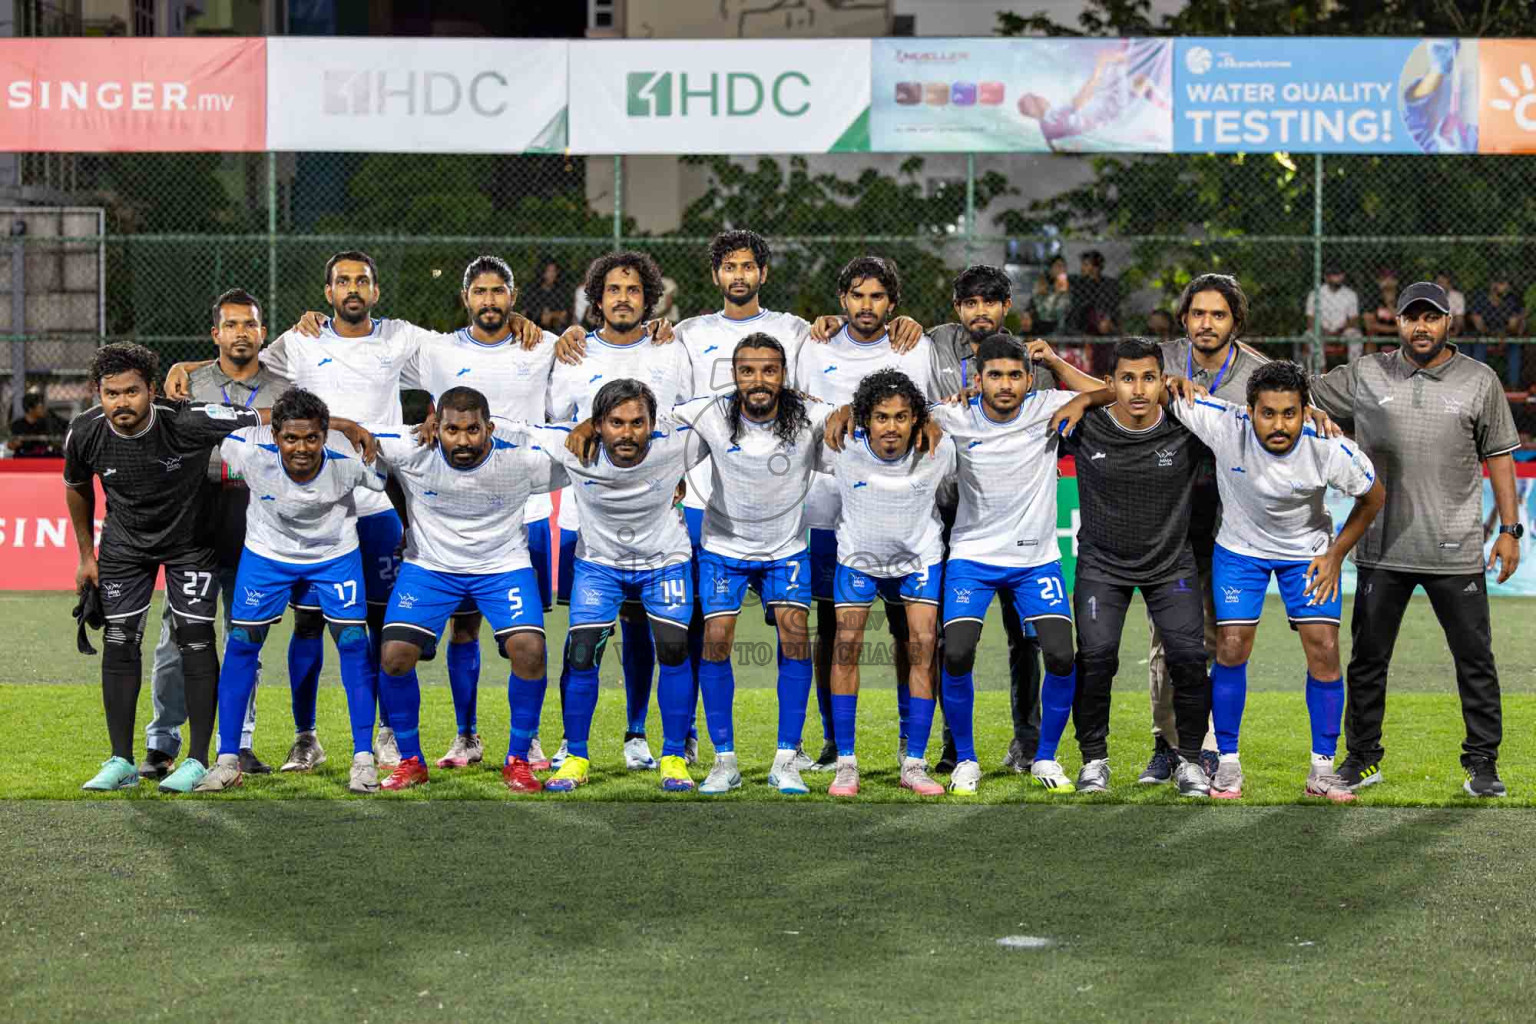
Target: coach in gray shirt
[1429, 418]
[235, 378]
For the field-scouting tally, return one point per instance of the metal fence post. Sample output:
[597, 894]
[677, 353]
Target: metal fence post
[18, 315]
[271, 236]
[1319, 360]
[618, 203]
[970, 208]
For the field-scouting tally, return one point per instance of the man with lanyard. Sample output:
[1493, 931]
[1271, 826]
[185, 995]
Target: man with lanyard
[1212, 311]
[236, 378]
[1429, 418]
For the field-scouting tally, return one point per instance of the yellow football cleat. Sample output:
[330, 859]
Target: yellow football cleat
[674, 775]
[572, 773]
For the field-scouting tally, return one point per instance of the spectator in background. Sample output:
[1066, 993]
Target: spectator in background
[1497, 313]
[1160, 325]
[1052, 299]
[1096, 308]
[1026, 324]
[1336, 309]
[1458, 304]
[1380, 316]
[544, 303]
[37, 433]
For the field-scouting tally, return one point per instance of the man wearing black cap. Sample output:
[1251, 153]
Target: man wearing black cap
[1428, 417]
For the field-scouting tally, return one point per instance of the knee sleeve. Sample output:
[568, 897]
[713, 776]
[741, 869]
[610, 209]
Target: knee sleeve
[1055, 636]
[253, 635]
[347, 635]
[194, 636]
[671, 642]
[308, 624]
[120, 644]
[960, 640]
[585, 646]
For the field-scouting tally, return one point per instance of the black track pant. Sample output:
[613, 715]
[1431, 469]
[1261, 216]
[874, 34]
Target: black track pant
[1461, 605]
[1178, 611]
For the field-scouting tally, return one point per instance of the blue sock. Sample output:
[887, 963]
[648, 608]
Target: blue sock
[718, 682]
[464, 681]
[639, 659]
[358, 679]
[385, 692]
[1229, 692]
[405, 712]
[824, 705]
[577, 708]
[919, 726]
[960, 714]
[237, 678]
[795, 677]
[903, 706]
[1325, 707]
[674, 695]
[845, 715]
[306, 654]
[526, 699]
[1056, 693]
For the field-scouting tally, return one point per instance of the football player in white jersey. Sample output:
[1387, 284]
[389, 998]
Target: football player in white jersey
[889, 545]
[624, 288]
[466, 542]
[1273, 469]
[868, 288]
[301, 545]
[633, 548]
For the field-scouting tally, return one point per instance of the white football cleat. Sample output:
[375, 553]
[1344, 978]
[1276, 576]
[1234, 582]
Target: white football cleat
[637, 755]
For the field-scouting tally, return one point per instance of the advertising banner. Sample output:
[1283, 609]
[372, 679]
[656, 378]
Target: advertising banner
[1507, 77]
[1330, 95]
[417, 95]
[1022, 95]
[721, 96]
[144, 95]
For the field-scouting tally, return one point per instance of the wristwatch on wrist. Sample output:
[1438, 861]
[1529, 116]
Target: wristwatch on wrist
[1517, 531]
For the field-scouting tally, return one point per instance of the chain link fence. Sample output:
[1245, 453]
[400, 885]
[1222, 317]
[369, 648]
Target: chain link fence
[136, 246]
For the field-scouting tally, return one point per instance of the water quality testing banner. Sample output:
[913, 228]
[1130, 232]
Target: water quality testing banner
[417, 95]
[1021, 95]
[1344, 95]
[719, 96]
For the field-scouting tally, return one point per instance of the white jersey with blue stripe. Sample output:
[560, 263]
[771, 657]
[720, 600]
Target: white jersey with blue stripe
[628, 520]
[756, 507]
[665, 369]
[890, 525]
[1006, 476]
[358, 378]
[460, 519]
[289, 521]
[514, 380]
[832, 372]
[710, 341]
[1272, 505]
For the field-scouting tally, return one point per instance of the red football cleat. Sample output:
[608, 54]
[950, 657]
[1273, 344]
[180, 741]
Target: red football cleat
[410, 772]
[517, 773]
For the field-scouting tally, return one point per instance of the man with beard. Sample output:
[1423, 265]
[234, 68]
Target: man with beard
[235, 378]
[623, 288]
[460, 493]
[1429, 418]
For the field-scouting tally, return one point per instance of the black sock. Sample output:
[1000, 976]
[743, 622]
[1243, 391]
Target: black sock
[120, 696]
[200, 669]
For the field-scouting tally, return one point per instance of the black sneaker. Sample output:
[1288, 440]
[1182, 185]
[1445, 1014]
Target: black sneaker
[250, 764]
[1018, 758]
[947, 760]
[1160, 768]
[156, 764]
[1209, 762]
[1483, 778]
[1357, 774]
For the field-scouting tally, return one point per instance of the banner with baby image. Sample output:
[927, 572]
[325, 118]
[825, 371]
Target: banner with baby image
[1022, 95]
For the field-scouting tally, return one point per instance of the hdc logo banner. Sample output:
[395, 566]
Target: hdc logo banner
[1507, 71]
[724, 96]
[417, 95]
[1326, 95]
[146, 95]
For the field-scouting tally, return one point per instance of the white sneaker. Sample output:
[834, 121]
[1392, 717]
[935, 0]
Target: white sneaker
[225, 774]
[723, 776]
[803, 762]
[785, 773]
[1049, 777]
[637, 755]
[385, 749]
[365, 774]
[1191, 779]
[537, 761]
[965, 778]
[465, 751]
[560, 756]
[1094, 777]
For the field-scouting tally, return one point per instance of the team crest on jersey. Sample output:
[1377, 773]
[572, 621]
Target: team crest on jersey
[385, 361]
[253, 597]
[1452, 404]
[405, 600]
[218, 412]
[1232, 594]
[1165, 456]
[524, 372]
[171, 464]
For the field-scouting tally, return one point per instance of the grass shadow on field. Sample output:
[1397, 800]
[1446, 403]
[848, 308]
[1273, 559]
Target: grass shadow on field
[772, 912]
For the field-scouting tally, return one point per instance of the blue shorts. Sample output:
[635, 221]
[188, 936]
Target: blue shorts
[567, 565]
[1239, 583]
[858, 589]
[542, 558]
[597, 591]
[378, 538]
[263, 586]
[823, 551]
[423, 600]
[723, 581]
[1039, 592]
